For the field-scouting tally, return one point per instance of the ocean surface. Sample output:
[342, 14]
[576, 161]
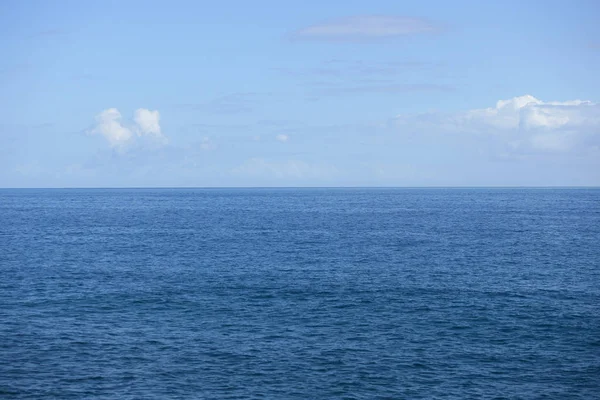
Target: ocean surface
[300, 294]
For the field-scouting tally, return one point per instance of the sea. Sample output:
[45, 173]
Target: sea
[300, 293]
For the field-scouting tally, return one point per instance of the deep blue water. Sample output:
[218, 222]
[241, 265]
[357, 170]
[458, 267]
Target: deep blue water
[300, 293]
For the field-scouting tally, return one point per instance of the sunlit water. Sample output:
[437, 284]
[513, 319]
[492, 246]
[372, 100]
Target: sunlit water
[300, 293]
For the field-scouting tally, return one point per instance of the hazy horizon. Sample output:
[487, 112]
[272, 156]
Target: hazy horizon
[296, 187]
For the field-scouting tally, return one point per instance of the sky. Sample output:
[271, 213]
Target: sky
[299, 93]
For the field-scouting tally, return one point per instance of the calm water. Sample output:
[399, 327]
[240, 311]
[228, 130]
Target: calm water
[300, 293]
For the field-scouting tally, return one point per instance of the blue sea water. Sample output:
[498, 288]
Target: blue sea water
[300, 293]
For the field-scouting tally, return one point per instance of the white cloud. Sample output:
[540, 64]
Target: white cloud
[526, 122]
[108, 124]
[528, 112]
[364, 27]
[282, 138]
[148, 122]
[505, 115]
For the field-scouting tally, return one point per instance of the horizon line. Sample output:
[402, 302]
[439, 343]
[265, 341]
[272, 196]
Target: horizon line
[307, 187]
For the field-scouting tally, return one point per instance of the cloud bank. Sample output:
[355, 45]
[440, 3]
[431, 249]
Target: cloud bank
[146, 124]
[366, 27]
[525, 122]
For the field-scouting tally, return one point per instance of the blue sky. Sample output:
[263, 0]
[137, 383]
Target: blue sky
[269, 93]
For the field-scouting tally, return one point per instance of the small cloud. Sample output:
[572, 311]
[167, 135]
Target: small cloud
[148, 122]
[282, 138]
[109, 125]
[366, 27]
